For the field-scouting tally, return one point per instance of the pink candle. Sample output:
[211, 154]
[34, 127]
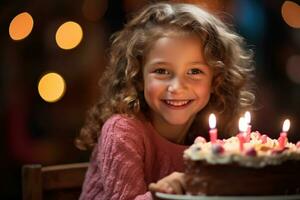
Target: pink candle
[213, 132]
[241, 138]
[242, 135]
[282, 140]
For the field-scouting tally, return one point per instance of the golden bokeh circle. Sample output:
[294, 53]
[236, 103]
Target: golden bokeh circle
[68, 35]
[51, 87]
[21, 26]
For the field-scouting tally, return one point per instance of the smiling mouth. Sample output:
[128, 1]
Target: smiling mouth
[177, 103]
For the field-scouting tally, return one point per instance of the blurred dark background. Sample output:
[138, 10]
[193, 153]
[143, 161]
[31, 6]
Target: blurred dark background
[34, 130]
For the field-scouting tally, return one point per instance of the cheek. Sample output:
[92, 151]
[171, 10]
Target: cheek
[204, 97]
[152, 89]
[204, 92]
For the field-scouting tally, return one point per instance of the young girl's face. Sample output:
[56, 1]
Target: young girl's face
[177, 80]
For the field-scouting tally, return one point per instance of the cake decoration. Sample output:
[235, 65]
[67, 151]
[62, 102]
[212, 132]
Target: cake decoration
[258, 152]
[250, 149]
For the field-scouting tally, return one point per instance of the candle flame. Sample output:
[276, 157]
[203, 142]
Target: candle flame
[247, 117]
[242, 124]
[286, 125]
[212, 121]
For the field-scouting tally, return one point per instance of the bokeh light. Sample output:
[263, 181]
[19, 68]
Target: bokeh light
[51, 87]
[291, 13]
[21, 26]
[293, 68]
[69, 35]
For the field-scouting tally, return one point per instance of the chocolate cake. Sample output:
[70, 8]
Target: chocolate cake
[262, 167]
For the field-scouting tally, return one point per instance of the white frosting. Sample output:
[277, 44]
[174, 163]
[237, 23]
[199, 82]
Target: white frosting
[268, 153]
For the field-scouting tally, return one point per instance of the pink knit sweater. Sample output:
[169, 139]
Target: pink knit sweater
[129, 155]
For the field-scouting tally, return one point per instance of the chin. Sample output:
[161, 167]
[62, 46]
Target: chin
[176, 120]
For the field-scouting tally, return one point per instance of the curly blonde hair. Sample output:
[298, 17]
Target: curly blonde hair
[121, 84]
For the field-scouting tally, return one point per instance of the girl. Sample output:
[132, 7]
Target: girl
[170, 67]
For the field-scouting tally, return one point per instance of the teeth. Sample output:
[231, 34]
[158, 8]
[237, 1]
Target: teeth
[177, 102]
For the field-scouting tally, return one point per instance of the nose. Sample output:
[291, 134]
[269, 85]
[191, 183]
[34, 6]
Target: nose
[176, 85]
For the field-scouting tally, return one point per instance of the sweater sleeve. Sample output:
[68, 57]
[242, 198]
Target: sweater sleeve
[121, 160]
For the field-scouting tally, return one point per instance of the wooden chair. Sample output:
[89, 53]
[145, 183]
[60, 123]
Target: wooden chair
[53, 182]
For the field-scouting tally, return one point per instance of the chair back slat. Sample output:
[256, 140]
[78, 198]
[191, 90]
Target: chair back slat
[32, 182]
[53, 182]
[64, 176]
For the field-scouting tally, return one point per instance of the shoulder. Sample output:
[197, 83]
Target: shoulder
[124, 126]
[124, 133]
[122, 121]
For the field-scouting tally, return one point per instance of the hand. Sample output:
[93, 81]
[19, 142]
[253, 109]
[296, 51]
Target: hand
[172, 184]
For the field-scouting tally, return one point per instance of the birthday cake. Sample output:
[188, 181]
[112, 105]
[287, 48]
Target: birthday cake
[258, 166]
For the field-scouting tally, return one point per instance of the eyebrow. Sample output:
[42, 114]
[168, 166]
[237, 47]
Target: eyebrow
[165, 62]
[159, 62]
[198, 63]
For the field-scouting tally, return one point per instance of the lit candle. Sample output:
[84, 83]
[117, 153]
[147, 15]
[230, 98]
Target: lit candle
[241, 135]
[213, 132]
[247, 117]
[282, 140]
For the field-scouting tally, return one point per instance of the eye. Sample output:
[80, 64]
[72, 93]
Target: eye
[161, 71]
[195, 71]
